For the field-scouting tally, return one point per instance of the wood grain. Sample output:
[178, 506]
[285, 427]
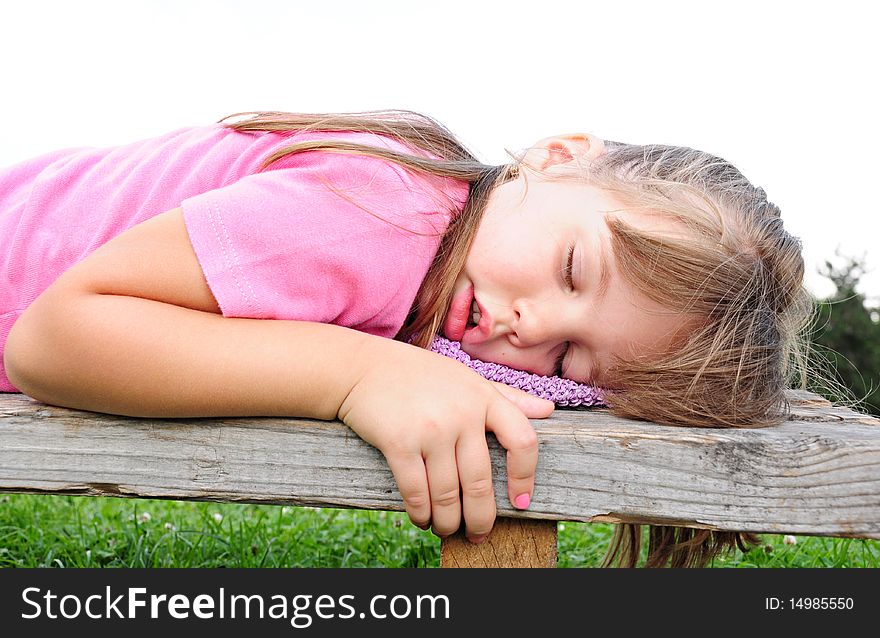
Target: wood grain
[514, 542]
[816, 474]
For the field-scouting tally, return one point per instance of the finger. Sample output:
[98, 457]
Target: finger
[530, 405]
[412, 483]
[475, 475]
[443, 485]
[517, 436]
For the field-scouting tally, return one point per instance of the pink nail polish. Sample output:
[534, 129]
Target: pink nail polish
[522, 501]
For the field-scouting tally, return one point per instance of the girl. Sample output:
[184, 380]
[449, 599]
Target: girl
[138, 281]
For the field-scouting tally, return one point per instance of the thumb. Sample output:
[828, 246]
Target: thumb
[530, 405]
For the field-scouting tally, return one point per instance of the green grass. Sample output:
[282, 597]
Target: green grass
[68, 531]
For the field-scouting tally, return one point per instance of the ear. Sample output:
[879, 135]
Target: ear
[561, 149]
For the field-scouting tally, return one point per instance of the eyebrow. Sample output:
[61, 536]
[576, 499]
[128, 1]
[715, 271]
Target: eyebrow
[597, 370]
[604, 271]
[604, 282]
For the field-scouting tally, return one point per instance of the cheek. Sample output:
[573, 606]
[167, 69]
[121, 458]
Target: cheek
[490, 248]
[506, 251]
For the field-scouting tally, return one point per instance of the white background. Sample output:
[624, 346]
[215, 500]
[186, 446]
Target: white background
[787, 91]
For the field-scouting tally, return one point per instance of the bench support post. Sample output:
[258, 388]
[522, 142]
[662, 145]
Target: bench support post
[514, 542]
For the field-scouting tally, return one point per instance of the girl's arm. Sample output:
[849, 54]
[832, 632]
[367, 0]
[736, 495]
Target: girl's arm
[133, 329]
[145, 358]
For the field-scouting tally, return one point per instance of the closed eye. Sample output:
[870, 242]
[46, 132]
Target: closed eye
[561, 359]
[569, 267]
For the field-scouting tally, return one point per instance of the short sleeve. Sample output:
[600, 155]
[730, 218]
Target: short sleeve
[328, 237]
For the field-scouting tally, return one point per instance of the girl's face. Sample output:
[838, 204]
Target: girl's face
[517, 271]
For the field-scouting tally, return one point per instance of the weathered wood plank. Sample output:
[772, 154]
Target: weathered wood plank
[514, 542]
[818, 473]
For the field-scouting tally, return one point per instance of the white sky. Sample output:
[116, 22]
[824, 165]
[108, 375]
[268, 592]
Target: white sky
[787, 91]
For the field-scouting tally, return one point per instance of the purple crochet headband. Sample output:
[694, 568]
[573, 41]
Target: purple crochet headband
[564, 392]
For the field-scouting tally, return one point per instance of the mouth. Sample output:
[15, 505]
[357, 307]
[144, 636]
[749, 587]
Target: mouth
[466, 321]
[479, 324]
[474, 315]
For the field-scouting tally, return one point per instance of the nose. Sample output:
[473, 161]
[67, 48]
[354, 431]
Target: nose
[531, 323]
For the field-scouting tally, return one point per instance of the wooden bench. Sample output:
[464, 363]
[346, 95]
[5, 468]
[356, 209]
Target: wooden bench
[816, 474]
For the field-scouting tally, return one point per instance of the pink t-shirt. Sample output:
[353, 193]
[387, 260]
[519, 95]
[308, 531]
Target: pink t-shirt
[302, 240]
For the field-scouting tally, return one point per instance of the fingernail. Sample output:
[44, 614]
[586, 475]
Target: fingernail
[522, 501]
[476, 540]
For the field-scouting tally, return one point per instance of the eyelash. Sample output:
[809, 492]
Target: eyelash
[561, 359]
[568, 279]
[568, 267]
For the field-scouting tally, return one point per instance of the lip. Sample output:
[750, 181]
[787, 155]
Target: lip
[456, 319]
[455, 327]
[482, 331]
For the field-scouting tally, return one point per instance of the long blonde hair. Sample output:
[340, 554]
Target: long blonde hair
[744, 277]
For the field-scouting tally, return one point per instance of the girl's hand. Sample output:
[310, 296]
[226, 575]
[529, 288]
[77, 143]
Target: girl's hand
[428, 415]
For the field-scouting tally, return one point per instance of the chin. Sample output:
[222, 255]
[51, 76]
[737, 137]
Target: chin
[475, 352]
[469, 349]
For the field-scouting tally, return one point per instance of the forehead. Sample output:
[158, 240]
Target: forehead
[633, 324]
[627, 325]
